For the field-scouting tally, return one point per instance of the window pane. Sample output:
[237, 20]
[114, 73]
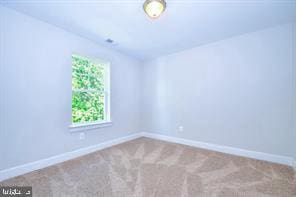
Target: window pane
[96, 77]
[87, 74]
[79, 81]
[79, 73]
[87, 107]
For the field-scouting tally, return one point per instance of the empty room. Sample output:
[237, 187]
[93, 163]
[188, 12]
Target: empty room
[148, 98]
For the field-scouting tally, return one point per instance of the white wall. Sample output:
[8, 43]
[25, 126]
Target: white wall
[237, 92]
[35, 85]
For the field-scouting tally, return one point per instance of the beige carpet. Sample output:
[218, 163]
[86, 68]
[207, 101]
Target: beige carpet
[146, 167]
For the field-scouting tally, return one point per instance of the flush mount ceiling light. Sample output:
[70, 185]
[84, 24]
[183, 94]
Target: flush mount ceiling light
[154, 8]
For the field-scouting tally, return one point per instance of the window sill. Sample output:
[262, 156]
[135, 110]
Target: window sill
[89, 126]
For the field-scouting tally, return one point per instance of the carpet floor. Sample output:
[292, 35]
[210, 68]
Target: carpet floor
[150, 168]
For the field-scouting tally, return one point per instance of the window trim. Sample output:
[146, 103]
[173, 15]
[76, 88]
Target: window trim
[75, 127]
[89, 126]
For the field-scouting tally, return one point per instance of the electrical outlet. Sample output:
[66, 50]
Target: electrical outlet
[82, 136]
[181, 128]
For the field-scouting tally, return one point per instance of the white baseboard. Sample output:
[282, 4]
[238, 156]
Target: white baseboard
[29, 167]
[226, 149]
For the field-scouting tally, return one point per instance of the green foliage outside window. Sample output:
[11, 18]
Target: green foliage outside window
[88, 80]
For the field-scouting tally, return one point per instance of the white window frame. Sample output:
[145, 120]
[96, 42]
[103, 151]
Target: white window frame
[74, 127]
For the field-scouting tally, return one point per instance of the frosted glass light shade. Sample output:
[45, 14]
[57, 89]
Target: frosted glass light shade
[154, 8]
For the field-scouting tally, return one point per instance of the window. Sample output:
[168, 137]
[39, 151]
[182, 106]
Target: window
[90, 91]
